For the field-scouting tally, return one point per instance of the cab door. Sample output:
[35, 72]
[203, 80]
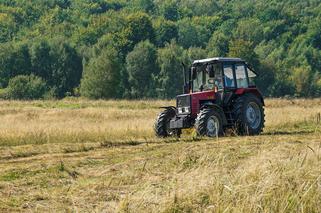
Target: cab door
[229, 82]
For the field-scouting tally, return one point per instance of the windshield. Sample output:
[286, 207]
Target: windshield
[203, 81]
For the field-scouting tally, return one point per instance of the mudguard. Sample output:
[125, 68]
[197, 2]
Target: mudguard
[168, 107]
[217, 108]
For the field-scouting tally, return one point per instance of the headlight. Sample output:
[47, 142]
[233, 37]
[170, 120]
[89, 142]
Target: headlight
[182, 110]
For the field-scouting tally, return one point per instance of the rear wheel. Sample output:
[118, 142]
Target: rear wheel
[248, 113]
[209, 123]
[162, 124]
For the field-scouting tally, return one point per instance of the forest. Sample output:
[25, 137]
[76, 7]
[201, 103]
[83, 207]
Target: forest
[133, 49]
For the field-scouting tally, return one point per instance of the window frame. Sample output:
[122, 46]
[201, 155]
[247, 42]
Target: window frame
[248, 78]
[246, 74]
[233, 73]
[221, 73]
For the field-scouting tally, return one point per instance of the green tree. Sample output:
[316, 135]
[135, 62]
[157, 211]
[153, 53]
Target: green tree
[14, 60]
[187, 34]
[41, 59]
[245, 50]
[306, 81]
[283, 84]
[170, 78]
[8, 27]
[58, 63]
[249, 30]
[196, 31]
[147, 6]
[266, 77]
[140, 28]
[201, 8]
[194, 53]
[169, 10]
[26, 87]
[118, 41]
[142, 69]
[218, 45]
[101, 77]
[165, 31]
[66, 68]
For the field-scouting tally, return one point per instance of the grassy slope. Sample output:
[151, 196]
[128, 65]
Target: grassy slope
[85, 156]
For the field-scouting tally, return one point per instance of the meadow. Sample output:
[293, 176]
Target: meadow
[76, 155]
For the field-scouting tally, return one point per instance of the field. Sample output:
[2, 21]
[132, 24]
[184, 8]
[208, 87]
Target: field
[102, 156]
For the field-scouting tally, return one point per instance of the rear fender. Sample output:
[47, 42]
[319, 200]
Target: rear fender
[253, 91]
[217, 108]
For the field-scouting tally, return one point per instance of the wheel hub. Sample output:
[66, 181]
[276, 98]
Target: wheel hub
[169, 131]
[253, 115]
[212, 126]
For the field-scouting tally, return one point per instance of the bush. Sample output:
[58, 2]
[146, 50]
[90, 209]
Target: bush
[3, 94]
[26, 87]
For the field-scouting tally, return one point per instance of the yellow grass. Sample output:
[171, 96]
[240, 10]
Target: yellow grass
[102, 156]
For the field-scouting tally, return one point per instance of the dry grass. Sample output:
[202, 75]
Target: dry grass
[101, 156]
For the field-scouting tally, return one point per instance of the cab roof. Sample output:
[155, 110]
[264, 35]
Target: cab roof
[217, 59]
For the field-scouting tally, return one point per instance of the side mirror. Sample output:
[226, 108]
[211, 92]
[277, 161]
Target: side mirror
[210, 70]
[194, 72]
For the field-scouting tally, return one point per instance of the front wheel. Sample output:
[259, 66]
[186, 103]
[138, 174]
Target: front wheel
[162, 124]
[209, 123]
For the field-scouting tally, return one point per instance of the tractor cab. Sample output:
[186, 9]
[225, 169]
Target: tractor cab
[221, 73]
[217, 86]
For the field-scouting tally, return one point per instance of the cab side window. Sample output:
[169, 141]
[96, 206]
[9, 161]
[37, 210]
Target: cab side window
[218, 81]
[252, 76]
[241, 79]
[228, 76]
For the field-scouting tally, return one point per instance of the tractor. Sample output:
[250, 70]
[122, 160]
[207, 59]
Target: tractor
[219, 94]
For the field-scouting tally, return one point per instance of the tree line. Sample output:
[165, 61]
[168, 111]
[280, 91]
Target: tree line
[134, 49]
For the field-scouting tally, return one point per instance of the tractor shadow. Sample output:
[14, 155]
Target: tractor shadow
[295, 132]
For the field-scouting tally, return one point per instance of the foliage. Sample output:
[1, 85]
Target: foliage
[168, 9]
[165, 31]
[14, 60]
[140, 27]
[218, 45]
[245, 50]
[142, 70]
[169, 60]
[58, 63]
[26, 87]
[102, 76]
[55, 39]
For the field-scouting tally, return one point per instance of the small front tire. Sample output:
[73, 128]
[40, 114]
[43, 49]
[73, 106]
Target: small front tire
[209, 123]
[162, 124]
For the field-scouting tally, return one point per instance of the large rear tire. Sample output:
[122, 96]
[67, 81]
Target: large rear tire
[248, 113]
[209, 123]
[162, 123]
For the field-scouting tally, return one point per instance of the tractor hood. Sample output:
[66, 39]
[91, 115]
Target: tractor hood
[190, 103]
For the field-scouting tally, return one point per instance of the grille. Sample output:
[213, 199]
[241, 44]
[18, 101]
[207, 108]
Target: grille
[183, 101]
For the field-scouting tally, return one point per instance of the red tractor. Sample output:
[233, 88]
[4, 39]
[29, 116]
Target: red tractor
[220, 94]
